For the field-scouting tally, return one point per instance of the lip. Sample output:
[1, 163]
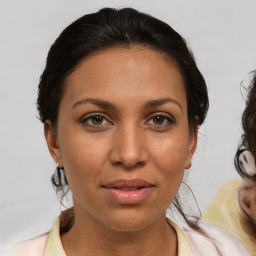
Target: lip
[128, 191]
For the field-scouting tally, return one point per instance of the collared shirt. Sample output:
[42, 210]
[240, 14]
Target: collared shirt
[208, 241]
[54, 245]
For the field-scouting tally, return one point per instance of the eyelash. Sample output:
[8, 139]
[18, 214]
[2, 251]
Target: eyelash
[90, 116]
[170, 120]
[85, 120]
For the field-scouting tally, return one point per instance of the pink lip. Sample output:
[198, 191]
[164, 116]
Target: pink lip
[128, 191]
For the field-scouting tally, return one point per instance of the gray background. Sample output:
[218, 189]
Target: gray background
[222, 36]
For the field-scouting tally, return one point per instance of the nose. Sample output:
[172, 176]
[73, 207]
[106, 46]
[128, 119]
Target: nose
[129, 148]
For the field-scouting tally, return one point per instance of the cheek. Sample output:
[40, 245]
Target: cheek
[170, 159]
[83, 158]
[170, 154]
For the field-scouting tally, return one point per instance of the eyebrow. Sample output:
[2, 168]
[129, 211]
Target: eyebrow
[97, 102]
[106, 104]
[159, 102]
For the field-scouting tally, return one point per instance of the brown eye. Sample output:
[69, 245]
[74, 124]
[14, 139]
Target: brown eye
[158, 120]
[97, 120]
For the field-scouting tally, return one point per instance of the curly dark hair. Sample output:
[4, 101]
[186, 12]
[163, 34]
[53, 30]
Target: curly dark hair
[248, 141]
[110, 28]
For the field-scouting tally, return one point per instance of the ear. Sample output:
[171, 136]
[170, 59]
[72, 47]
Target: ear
[247, 199]
[52, 142]
[192, 143]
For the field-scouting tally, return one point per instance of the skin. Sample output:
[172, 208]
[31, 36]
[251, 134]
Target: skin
[128, 143]
[247, 199]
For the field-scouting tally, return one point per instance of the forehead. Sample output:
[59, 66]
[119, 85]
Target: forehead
[126, 74]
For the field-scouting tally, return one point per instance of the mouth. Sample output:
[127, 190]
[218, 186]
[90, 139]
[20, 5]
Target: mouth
[128, 191]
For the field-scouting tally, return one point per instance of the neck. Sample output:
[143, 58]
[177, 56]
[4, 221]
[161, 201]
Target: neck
[90, 237]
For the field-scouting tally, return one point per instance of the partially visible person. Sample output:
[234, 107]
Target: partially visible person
[234, 207]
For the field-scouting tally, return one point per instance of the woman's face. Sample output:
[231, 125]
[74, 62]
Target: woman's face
[123, 137]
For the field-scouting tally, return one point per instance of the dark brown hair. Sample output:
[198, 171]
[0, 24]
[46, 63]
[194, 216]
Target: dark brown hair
[248, 141]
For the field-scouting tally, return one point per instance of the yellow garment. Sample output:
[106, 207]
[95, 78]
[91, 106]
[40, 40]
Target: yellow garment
[184, 248]
[190, 242]
[54, 246]
[225, 212]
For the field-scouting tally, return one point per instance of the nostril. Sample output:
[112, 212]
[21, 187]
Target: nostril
[117, 163]
[128, 165]
[139, 164]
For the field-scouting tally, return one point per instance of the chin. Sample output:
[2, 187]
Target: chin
[130, 221]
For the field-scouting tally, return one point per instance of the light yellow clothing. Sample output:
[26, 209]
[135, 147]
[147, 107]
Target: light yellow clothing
[184, 248]
[225, 212]
[54, 246]
[190, 242]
